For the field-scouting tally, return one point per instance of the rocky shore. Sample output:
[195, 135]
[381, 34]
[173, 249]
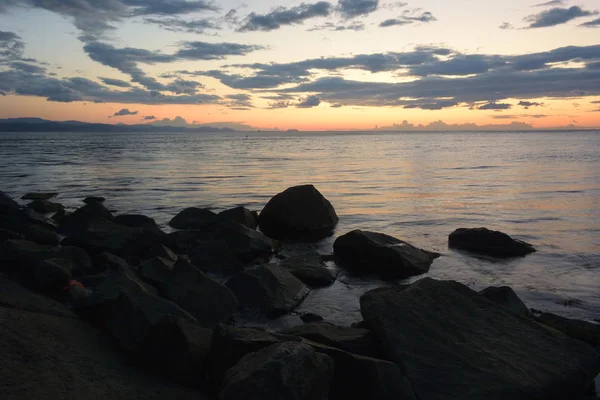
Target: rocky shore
[97, 305]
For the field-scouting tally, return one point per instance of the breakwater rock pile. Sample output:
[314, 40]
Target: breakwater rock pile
[98, 305]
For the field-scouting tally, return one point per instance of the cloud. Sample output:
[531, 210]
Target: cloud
[394, 22]
[213, 51]
[123, 112]
[506, 25]
[550, 3]
[149, 118]
[592, 24]
[356, 8]
[285, 16]
[198, 26]
[330, 26]
[239, 101]
[11, 46]
[115, 82]
[169, 7]
[336, 105]
[280, 104]
[309, 102]
[527, 104]
[557, 16]
[504, 116]
[409, 17]
[31, 69]
[441, 126]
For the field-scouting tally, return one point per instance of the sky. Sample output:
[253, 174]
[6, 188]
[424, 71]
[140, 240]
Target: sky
[307, 65]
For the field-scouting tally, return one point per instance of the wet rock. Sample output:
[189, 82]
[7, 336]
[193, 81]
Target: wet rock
[31, 225]
[13, 295]
[507, 297]
[310, 269]
[281, 371]
[39, 196]
[190, 217]
[7, 201]
[352, 340]
[23, 256]
[83, 217]
[38, 234]
[444, 332]
[178, 350]
[310, 317]
[240, 215]
[108, 261]
[135, 221]
[215, 257]
[298, 213]
[268, 288]
[365, 252]
[45, 206]
[59, 216]
[162, 252]
[6, 234]
[94, 199]
[581, 330]
[488, 242]
[53, 276]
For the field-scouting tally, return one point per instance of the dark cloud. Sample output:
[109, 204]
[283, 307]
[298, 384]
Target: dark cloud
[460, 65]
[124, 112]
[495, 106]
[538, 116]
[213, 51]
[285, 16]
[355, 8]
[198, 26]
[506, 25]
[527, 104]
[557, 16]
[409, 17]
[115, 82]
[280, 104]
[504, 116]
[592, 24]
[394, 22]
[239, 101]
[169, 7]
[330, 26]
[437, 105]
[309, 102]
[262, 81]
[550, 3]
[336, 105]
[11, 46]
[182, 86]
[32, 69]
[149, 118]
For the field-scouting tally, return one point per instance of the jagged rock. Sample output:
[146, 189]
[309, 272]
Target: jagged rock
[366, 252]
[6, 234]
[81, 261]
[310, 269]
[45, 206]
[103, 236]
[310, 317]
[190, 217]
[472, 348]
[24, 256]
[281, 371]
[162, 252]
[581, 330]
[488, 242]
[108, 261]
[7, 201]
[39, 196]
[352, 340]
[507, 297]
[80, 219]
[268, 288]
[94, 199]
[215, 257]
[135, 221]
[38, 234]
[76, 295]
[298, 213]
[13, 295]
[240, 215]
[31, 225]
[53, 276]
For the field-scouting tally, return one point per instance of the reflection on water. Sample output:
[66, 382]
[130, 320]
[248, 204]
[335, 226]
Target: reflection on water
[540, 187]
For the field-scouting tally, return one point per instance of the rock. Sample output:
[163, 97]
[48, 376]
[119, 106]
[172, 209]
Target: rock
[240, 215]
[310, 317]
[30, 224]
[491, 243]
[94, 199]
[53, 276]
[59, 216]
[156, 270]
[281, 371]
[310, 269]
[298, 213]
[6, 234]
[352, 340]
[444, 332]
[7, 201]
[507, 297]
[135, 221]
[81, 261]
[83, 217]
[215, 257]
[39, 196]
[76, 295]
[45, 206]
[104, 236]
[161, 251]
[188, 218]
[178, 350]
[132, 315]
[38, 234]
[13, 295]
[581, 330]
[268, 288]
[23, 256]
[366, 252]
[108, 261]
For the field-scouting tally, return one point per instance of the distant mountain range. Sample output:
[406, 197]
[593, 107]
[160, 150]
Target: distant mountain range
[43, 125]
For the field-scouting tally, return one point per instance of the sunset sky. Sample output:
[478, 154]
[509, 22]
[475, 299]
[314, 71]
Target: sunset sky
[313, 65]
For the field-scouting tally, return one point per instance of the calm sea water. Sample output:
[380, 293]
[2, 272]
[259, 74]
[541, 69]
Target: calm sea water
[543, 188]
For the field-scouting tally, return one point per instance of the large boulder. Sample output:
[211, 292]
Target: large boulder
[365, 252]
[281, 371]
[471, 348]
[7, 234]
[53, 276]
[135, 221]
[298, 213]
[80, 219]
[33, 226]
[37, 233]
[7, 201]
[13, 295]
[310, 269]
[190, 217]
[507, 297]
[268, 288]
[353, 340]
[581, 330]
[240, 215]
[488, 242]
[45, 206]
[23, 256]
[103, 236]
[215, 257]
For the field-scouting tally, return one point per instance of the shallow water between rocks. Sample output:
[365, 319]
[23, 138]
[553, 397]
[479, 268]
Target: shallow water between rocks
[541, 187]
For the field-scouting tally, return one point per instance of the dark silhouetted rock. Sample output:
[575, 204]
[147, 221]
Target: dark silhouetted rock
[81, 261]
[281, 371]
[240, 215]
[24, 256]
[178, 350]
[507, 297]
[39, 196]
[298, 213]
[134, 221]
[190, 217]
[581, 330]
[94, 199]
[102, 236]
[162, 252]
[353, 340]
[366, 252]
[310, 317]
[38, 234]
[310, 269]
[76, 295]
[7, 201]
[45, 206]
[13, 295]
[53, 276]
[491, 243]
[453, 343]
[215, 257]
[108, 261]
[6, 234]
[268, 288]
[83, 217]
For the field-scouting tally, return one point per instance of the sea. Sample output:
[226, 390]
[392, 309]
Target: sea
[541, 187]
